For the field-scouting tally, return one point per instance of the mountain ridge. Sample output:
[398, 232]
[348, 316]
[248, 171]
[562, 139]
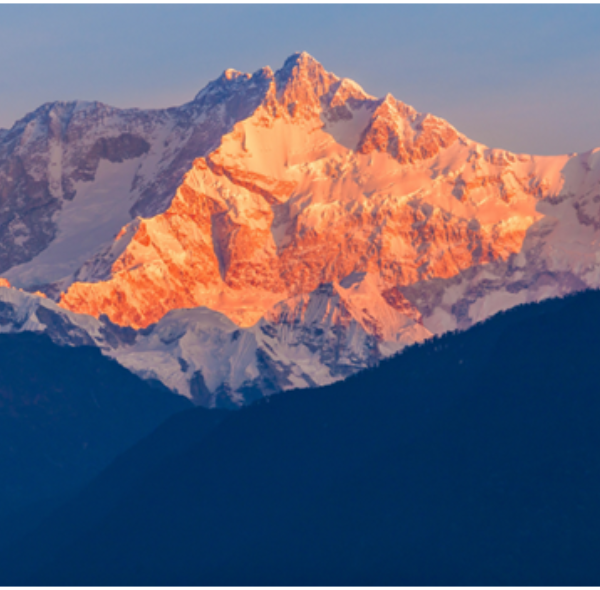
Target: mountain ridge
[273, 190]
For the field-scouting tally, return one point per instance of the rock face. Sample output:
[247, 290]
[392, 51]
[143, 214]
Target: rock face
[331, 228]
[72, 174]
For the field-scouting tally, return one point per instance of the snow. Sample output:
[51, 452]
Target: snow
[203, 339]
[26, 320]
[106, 201]
[440, 321]
[347, 132]
[495, 302]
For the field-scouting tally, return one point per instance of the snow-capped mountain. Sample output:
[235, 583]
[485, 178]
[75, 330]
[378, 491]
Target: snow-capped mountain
[284, 229]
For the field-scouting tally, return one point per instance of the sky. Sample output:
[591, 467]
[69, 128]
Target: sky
[520, 77]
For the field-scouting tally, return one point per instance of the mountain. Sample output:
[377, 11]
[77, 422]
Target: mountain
[468, 460]
[284, 229]
[65, 414]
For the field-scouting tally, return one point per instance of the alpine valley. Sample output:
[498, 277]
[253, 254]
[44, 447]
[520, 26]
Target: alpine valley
[282, 230]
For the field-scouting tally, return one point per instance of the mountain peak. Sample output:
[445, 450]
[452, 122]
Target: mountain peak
[301, 83]
[301, 65]
[231, 74]
[227, 82]
[300, 58]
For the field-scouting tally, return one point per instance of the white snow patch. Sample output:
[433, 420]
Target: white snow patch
[107, 201]
[440, 321]
[495, 302]
[347, 132]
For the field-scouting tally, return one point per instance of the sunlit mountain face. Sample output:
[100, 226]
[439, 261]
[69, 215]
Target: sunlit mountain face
[282, 230]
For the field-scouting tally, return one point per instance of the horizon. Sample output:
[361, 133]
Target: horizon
[521, 78]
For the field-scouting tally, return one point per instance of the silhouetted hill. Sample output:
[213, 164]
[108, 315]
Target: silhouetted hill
[175, 435]
[471, 459]
[65, 414]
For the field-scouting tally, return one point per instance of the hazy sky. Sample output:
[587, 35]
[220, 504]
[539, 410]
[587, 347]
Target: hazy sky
[520, 77]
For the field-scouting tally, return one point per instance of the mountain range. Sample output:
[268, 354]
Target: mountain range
[282, 230]
[430, 305]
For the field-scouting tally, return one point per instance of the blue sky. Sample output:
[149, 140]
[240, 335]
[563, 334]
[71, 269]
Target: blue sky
[521, 77]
